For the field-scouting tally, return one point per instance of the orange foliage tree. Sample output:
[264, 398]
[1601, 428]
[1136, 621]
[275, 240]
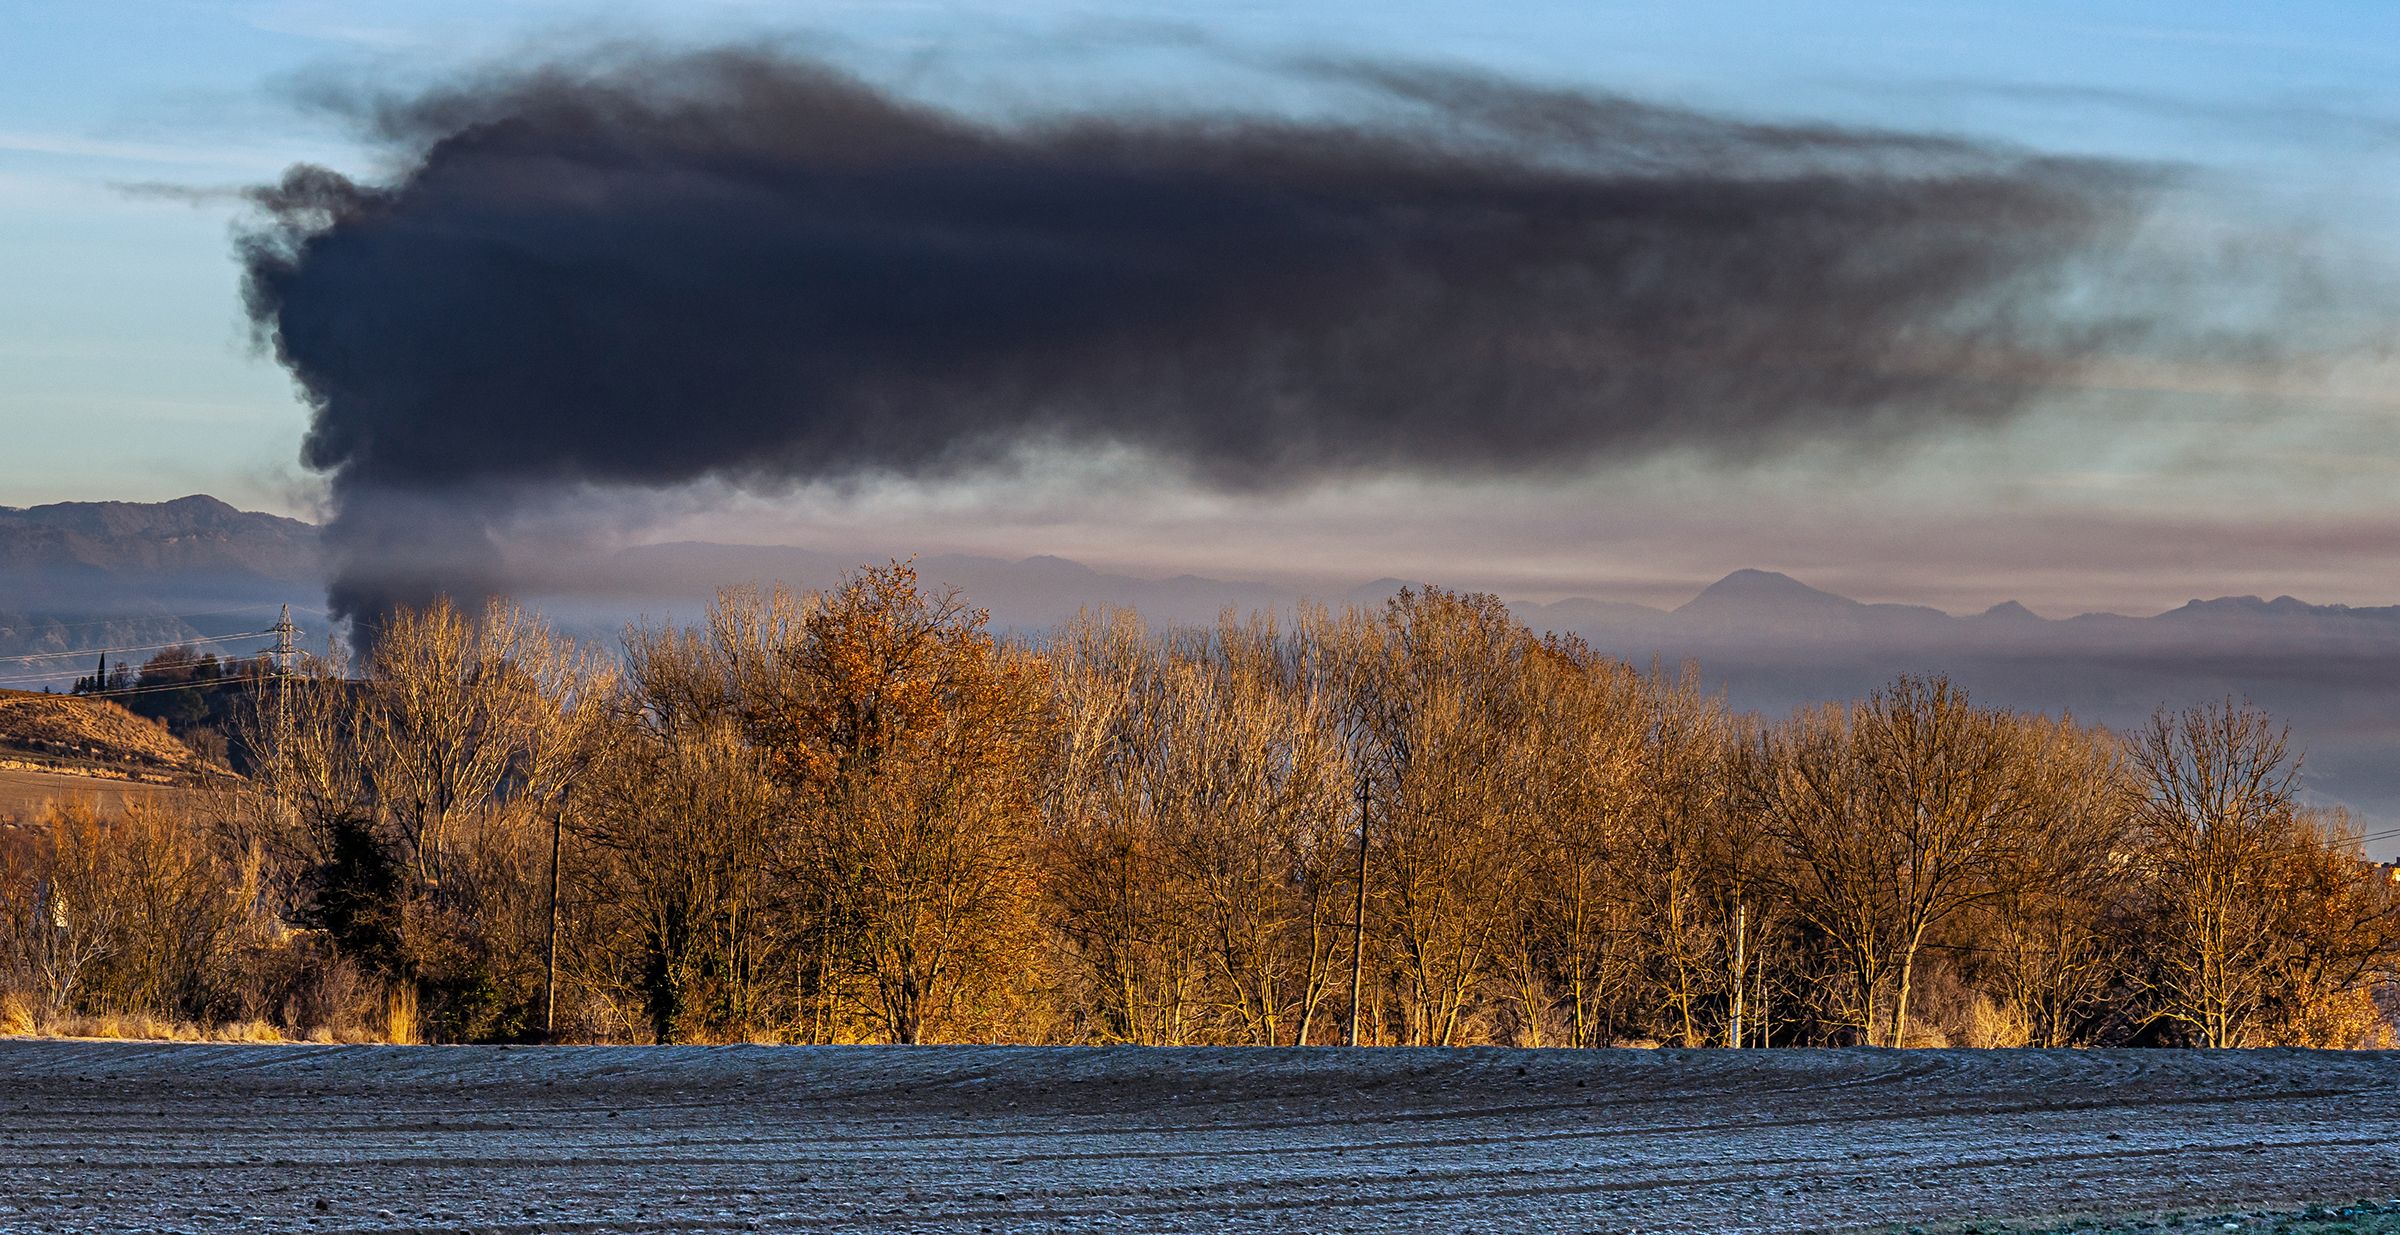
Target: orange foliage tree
[905, 735]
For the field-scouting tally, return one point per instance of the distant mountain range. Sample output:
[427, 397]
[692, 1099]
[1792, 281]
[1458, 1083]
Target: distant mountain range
[116, 574]
[92, 574]
[1769, 641]
[1772, 643]
[1747, 601]
[192, 541]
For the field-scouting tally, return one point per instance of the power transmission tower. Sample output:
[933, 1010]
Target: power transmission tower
[282, 656]
[287, 647]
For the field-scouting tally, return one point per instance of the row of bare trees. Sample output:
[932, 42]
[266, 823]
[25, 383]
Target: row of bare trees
[857, 816]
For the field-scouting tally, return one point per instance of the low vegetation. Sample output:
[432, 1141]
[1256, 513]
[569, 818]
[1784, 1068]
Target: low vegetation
[72, 731]
[857, 816]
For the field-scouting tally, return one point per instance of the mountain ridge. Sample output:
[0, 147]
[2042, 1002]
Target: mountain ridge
[129, 574]
[200, 532]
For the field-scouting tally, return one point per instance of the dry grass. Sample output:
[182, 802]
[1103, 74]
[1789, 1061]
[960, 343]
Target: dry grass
[96, 730]
[1990, 1026]
[400, 1016]
[19, 1018]
[137, 1028]
[16, 1015]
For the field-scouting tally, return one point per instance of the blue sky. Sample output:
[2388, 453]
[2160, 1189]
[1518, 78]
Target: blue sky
[126, 371]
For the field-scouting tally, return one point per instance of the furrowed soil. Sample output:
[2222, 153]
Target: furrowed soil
[145, 1137]
[26, 792]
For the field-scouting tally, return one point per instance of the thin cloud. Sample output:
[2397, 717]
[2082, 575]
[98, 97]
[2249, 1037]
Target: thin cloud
[184, 194]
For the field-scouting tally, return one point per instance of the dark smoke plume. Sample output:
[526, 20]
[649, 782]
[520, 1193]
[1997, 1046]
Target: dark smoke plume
[742, 267]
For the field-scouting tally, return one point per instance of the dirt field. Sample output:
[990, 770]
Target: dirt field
[23, 793]
[124, 1137]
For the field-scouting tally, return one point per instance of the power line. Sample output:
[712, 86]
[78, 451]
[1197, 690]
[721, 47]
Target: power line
[30, 696]
[147, 617]
[139, 647]
[282, 653]
[136, 647]
[28, 681]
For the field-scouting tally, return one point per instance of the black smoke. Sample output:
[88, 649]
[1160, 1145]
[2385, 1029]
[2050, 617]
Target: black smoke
[754, 269]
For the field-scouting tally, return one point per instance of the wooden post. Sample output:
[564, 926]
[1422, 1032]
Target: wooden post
[1733, 1030]
[558, 827]
[1358, 918]
[1766, 1026]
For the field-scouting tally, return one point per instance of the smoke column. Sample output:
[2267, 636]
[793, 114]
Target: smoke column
[641, 272]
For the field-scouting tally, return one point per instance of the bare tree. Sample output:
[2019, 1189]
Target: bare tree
[677, 819]
[1695, 859]
[67, 914]
[2056, 933]
[1566, 948]
[2258, 919]
[1124, 918]
[1431, 696]
[1201, 819]
[462, 713]
[1896, 814]
[856, 815]
[2215, 801]
[1253, 793]
[2340, 939]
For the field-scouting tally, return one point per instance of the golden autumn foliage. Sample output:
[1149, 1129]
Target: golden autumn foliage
[840, 790]
[858, 815]
[907, 743]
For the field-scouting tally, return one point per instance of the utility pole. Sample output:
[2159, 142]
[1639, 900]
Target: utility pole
[1358, 917]
[558, 827]
[1741, 921]
[1766, 1023]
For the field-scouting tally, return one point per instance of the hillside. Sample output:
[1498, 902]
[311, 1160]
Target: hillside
[78, 575]
[62, 731]
[187, 536]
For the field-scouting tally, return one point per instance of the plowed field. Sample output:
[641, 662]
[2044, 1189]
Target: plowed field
[125, 1137]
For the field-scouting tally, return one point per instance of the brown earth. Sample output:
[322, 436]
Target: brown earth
[56, 749]
[88, 731]
[25, 792]
[119, 1137]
